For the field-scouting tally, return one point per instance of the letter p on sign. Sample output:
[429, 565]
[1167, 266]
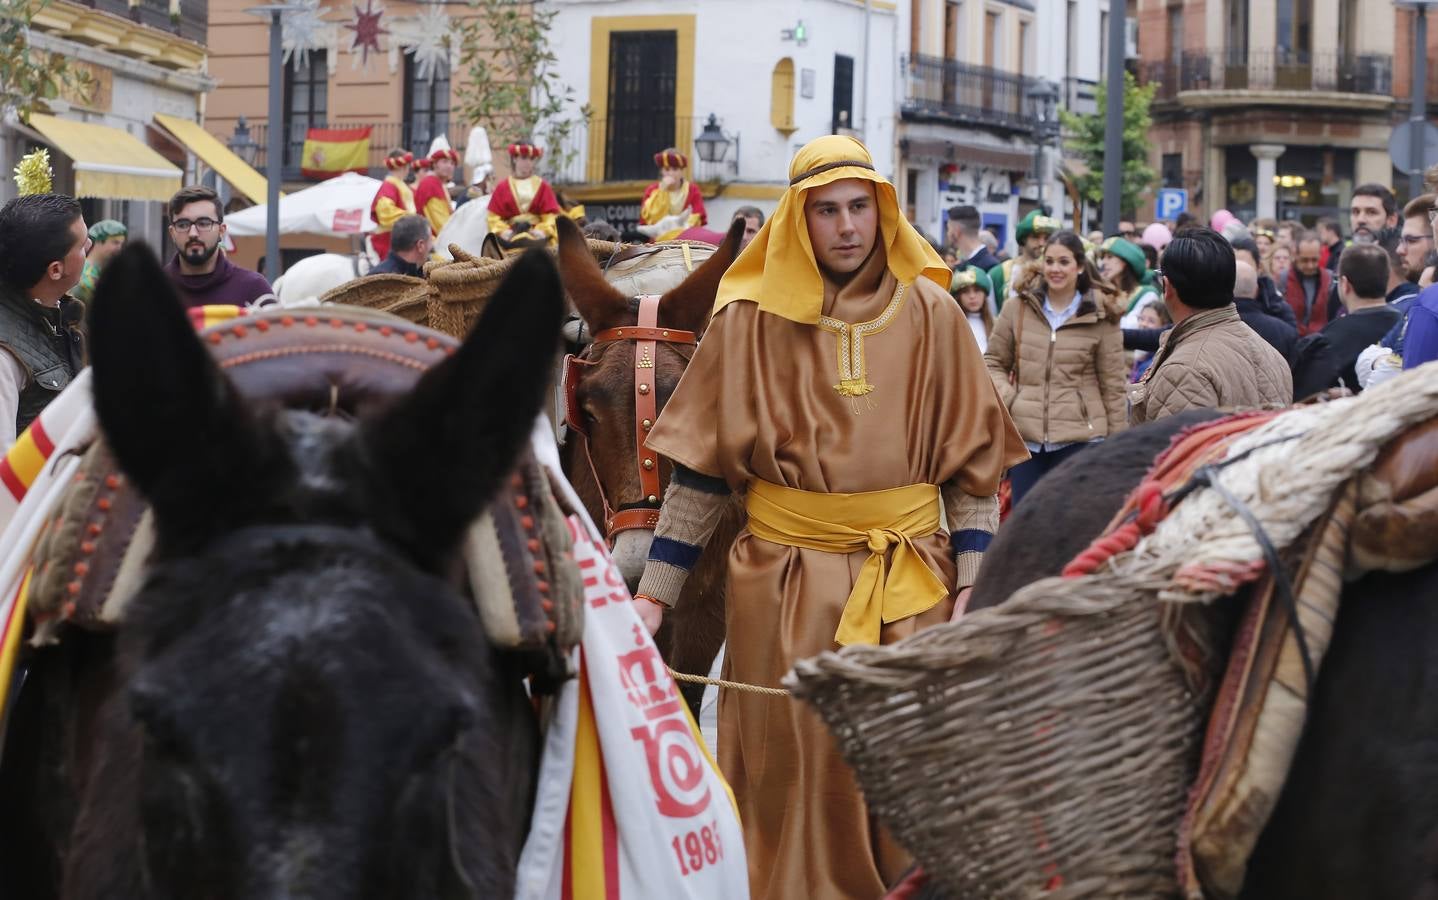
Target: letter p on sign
[1171, 202]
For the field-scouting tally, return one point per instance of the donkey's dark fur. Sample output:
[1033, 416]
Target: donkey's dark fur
[1358, 816]
[300, 704]
[694, 631]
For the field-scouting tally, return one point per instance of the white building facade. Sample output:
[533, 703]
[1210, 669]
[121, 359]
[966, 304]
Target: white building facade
[774, 74]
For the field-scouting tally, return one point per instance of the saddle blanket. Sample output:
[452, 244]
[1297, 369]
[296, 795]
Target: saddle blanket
[629, 803]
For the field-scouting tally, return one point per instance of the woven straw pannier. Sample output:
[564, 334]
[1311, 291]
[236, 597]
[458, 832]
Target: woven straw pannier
[452, 294]
[1043, 748]
[402, 295]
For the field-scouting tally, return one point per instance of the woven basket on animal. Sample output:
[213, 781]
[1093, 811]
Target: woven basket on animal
[452, 294]
[1060, 744]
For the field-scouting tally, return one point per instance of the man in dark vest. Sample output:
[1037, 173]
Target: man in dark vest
[43, 242]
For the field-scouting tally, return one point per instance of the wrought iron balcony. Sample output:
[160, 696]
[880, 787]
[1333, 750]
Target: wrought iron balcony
[192, 23]
[949, 90]
[1271, 70]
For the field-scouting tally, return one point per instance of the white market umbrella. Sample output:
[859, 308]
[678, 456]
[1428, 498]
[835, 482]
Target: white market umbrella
[337, 206]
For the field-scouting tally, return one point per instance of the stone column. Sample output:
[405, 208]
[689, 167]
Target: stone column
[1267, 155]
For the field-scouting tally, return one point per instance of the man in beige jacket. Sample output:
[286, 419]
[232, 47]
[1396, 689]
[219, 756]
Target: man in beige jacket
[1209, 358]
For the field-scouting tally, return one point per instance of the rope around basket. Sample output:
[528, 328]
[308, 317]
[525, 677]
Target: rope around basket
[731, 685]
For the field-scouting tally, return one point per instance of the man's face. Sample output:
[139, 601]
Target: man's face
[197, 231]
[105, 251]
[751, 228]
[444, 168]
[1366, 213]
[1034, 245]
[423, 246]
[523, 167]
[1126, 231]
[72, 264]
[671, 176]
[843, 221]
[1417, 243]
[1306, 259]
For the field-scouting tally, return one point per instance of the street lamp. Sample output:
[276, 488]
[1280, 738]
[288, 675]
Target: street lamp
[1418, 108]
[712, 143]
[1044, 95]
[275, 13]
[241, 144]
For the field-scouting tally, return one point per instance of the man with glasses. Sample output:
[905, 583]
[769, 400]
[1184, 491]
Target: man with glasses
[1417, 237]
[1128, 231]
[200, 270]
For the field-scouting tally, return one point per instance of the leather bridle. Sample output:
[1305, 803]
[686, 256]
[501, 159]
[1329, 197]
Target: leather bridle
[646, 337]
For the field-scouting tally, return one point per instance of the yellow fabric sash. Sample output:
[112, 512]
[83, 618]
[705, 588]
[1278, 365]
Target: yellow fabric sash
[843, 523]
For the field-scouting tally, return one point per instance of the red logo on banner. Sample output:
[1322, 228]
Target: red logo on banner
[348, 221]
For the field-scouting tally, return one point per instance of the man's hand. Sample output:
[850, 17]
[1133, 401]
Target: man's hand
[961, 603]
[650, 613]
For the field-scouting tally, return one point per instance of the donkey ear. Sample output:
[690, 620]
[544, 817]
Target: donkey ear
[689, 305]
[595, 298]
[175, 423]
[444, 449]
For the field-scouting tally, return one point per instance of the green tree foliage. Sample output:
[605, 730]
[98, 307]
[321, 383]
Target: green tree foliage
[512, 88]
[29, 77]
[1087, 142]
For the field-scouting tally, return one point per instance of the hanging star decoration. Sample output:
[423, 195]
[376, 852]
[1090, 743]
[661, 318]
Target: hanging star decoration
[33, 174]
[427, 38]
[367, 30]
[304, 30]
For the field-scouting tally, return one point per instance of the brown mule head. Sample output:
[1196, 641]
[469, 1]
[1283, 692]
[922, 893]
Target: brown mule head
[604, 390]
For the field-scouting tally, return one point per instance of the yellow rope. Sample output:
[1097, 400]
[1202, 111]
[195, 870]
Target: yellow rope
[732, 685]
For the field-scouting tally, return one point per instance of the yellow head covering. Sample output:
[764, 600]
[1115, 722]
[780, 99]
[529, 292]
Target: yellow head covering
[777, 270]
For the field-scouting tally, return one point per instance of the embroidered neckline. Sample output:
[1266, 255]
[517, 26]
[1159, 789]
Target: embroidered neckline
[853, 372]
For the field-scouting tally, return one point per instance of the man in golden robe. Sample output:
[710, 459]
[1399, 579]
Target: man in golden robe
[839, 387]
[673, 203]
[523, 206]
[392, 201]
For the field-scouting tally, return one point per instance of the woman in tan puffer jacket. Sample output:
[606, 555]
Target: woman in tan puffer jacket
[1056, 357]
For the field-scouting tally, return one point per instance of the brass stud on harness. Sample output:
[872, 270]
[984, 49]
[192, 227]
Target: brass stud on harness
[648, 424]
[653, 499]
[644, 389]
[648, 464]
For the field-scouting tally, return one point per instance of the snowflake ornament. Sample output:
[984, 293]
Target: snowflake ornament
[305, 30]
[426, 37]
[367, 30]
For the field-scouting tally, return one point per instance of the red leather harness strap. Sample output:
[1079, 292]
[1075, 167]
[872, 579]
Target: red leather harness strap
[646, 336]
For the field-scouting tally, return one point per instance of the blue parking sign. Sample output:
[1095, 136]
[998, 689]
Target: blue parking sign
[1171, 202]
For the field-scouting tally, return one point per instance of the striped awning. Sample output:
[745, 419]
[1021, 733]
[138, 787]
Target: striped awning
[109, 163]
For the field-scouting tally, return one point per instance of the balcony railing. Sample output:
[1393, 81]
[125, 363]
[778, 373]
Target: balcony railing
[949, 89]
[1271, 70]
[413, 136]
[192, 23]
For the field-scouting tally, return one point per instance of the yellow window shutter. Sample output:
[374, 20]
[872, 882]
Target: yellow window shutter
[781, 104]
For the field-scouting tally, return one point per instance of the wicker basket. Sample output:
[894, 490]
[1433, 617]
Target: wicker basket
[1040, 749]
[402, 295]
[462, 288]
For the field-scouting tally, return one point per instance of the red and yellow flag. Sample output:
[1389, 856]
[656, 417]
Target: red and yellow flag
[333, 151]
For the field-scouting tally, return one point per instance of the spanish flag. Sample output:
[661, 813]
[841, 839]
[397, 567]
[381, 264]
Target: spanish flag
[334, 151]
